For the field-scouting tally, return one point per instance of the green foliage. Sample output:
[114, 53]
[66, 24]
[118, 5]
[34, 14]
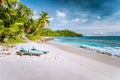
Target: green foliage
[42, 21]
[1, 22]
[46, 32]
[13, 16]
[16, 20]
[49, 32]
[18, 28]
[33, 37]
[7, 32]
[14, 30]
[67, 33]
[14, 40]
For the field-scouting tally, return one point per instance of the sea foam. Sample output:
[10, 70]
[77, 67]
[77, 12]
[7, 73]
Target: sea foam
[106, 45]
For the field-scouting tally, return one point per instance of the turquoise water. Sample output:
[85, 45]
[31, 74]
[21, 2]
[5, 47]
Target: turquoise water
[102, 44]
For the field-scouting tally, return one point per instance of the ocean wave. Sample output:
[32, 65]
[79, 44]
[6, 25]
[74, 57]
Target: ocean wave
[105, 45]
[114, 51]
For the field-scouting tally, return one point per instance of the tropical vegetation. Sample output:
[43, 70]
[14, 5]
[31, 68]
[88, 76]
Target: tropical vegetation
[49, 32]
[16, 22]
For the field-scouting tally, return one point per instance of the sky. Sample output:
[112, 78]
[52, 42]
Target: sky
[89, 17]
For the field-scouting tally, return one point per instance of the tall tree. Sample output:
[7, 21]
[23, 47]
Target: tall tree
[12, 17]
[43, 21]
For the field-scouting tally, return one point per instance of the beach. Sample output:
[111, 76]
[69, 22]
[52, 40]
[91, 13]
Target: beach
[63, 62]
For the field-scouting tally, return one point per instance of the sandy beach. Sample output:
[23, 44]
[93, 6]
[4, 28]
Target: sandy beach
[63, 62]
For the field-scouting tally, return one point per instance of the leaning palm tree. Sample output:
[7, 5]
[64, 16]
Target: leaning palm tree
[43, 21]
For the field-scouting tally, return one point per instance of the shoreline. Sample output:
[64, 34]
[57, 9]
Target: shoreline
[58, 64]
[104, 58]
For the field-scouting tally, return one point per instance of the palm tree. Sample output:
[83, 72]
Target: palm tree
[28, 26]
[43, 21]
[12, 17]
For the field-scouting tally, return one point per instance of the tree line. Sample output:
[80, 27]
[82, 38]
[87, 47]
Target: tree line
[49, 32]
[16, 21]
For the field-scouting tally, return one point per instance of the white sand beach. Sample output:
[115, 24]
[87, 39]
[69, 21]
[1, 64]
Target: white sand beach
[61, 63]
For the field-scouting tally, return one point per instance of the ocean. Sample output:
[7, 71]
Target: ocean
[99, 44]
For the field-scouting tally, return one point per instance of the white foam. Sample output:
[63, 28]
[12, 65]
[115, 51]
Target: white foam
[110, 50]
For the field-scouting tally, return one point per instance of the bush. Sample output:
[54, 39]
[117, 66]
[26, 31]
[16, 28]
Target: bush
[49, 32]
[46, 32]
[67, 33]
[33, 37]
[14, 40]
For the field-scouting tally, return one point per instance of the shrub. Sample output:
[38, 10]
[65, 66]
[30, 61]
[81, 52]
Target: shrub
[14, 40]
[33, 37]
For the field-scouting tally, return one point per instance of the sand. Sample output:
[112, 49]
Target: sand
[104, 58]
[58, 64]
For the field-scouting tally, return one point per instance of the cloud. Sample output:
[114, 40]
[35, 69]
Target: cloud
[88, 23]
[63, 22]
[84, 20]
[98, 17]
[101, 7]
[35, 14]
[115, 17]
[74, 20]
[86, 16]
[51, 18]
[77, 19]
[102, 16]
[82, 14]
[60, 14]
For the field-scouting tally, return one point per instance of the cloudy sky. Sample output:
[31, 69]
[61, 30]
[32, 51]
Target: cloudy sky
[90, 17]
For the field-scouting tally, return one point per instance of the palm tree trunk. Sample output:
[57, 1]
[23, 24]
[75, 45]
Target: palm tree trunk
[28, 30]
[35, 31]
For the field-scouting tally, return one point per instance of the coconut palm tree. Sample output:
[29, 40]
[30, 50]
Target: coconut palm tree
[43, 21]
[12, 17]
